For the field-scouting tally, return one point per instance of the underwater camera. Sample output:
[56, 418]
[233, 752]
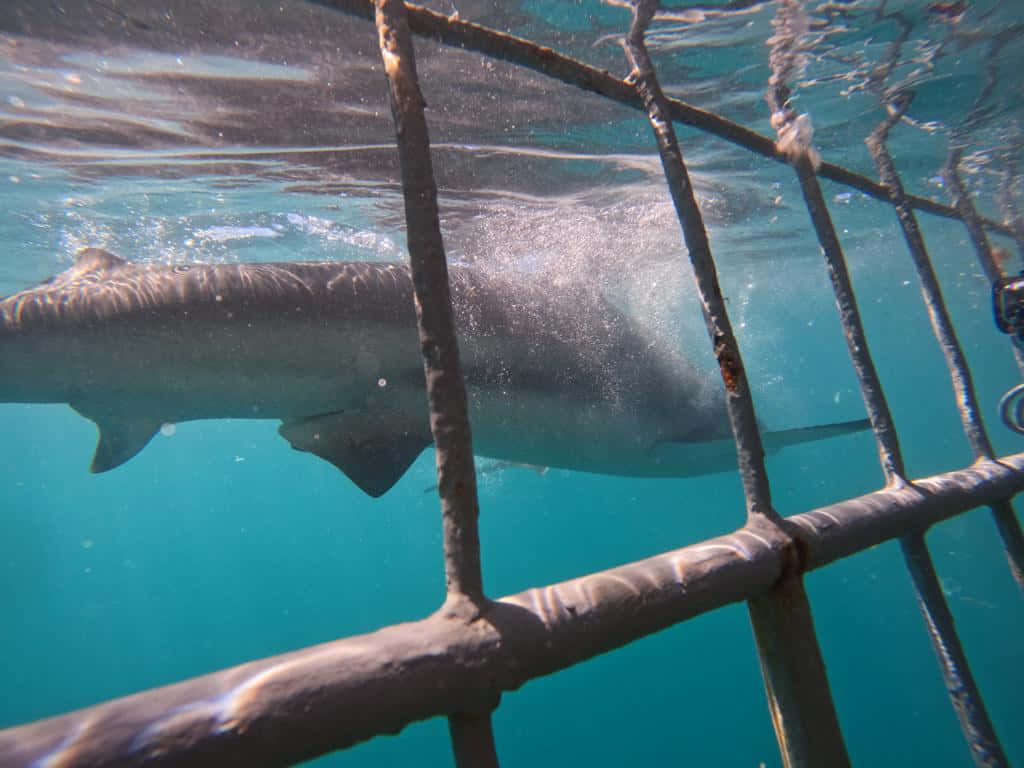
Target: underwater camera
[1008, 307]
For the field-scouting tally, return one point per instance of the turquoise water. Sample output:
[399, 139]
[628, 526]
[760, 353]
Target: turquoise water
[219, 544]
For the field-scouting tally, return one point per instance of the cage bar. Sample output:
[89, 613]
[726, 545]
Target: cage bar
[942, 325]
[740, 404]
[446, 390]
[968, 703]
[471, 732]
[969, 215]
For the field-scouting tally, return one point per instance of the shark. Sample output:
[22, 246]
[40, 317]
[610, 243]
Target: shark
[330, 349]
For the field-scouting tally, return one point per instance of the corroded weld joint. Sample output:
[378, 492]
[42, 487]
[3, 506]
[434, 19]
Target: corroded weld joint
[464, 608]
[794, 556]
[785, 540]
[389, 51]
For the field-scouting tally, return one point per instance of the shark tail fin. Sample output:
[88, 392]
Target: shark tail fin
[775, 441]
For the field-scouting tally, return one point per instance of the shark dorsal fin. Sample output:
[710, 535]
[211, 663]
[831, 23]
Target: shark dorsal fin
[89, 260]
[121, 435]
[373, 450]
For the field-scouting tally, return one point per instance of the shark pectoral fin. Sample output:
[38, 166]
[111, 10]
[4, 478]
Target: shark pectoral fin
[774, 441]
[369, 449]
[121, 435]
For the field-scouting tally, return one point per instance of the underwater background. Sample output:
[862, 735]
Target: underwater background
[257, 131]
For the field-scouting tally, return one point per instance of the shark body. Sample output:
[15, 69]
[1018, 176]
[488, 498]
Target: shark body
[331, 349]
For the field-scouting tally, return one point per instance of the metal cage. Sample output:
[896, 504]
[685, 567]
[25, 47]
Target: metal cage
[457, 662]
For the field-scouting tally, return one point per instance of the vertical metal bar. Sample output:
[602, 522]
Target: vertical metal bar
[472, 740]
[797, 687]
[963, 386]
[969, 214]
[849, 315]
[806, 726]
[471, 733]
[1012, 536]
[968, 704]
[795, 141]
[446, 390]
[749, 448]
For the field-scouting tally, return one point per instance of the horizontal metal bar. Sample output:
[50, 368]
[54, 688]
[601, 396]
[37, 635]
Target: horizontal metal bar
[843, 529]
[450, 30]
[289, 708]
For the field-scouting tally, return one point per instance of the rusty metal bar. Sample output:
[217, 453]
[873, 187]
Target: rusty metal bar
[293, 707]
[796, 685]
[739, 401]
[471, 732]
[446, 390]
[546, 61]
[960, 374]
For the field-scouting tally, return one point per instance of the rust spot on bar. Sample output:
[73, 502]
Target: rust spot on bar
[730, 364]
